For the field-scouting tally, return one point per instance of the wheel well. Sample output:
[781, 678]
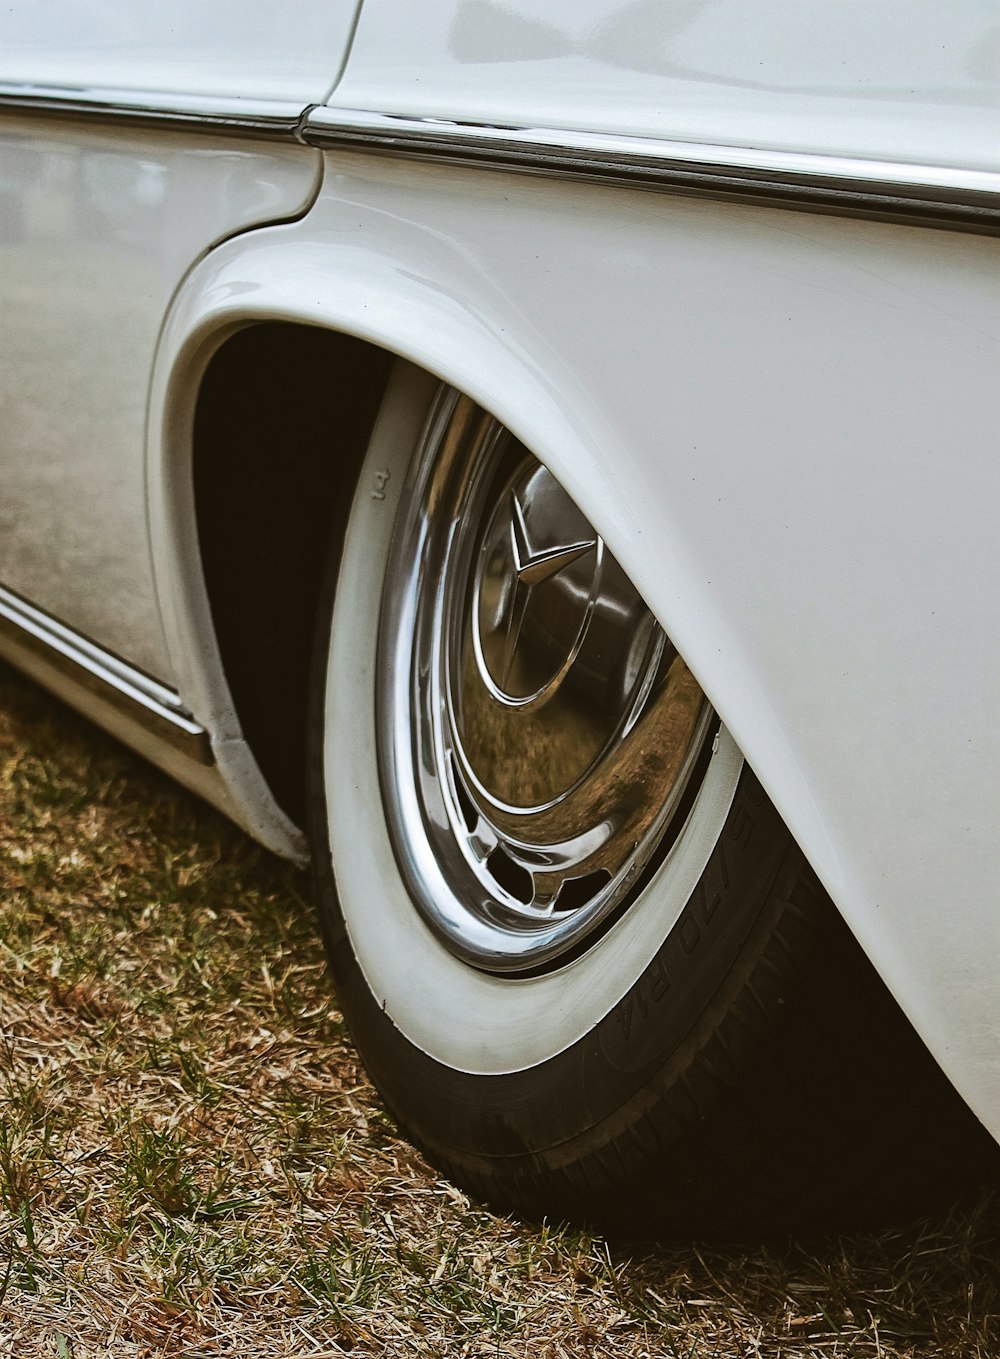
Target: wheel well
[283, 419]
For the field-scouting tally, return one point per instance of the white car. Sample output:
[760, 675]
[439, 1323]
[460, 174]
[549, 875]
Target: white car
[393, 394]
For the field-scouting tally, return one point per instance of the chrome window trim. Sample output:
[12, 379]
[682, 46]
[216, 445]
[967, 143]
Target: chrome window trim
[92, 669]
[271, 120]
[924, 195]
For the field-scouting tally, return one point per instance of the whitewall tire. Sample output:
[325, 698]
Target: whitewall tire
[583, 960]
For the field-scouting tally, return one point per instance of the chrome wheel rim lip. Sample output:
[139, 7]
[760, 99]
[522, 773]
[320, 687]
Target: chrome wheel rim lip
[538, 736]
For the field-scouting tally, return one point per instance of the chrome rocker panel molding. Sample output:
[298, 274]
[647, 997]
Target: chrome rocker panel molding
[92, 670]
[908, 194]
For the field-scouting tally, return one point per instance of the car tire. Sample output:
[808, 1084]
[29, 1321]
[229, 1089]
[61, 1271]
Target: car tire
[700, 1046]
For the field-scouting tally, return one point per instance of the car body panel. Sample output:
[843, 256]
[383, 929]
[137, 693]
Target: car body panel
[784, 426]
[243, 49]
[905, 80]
[106, 223]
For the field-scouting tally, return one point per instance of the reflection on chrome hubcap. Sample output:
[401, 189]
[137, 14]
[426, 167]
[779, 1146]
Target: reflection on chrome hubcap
[511, 578]
[538, 733]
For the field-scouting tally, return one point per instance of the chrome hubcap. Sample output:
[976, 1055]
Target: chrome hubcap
[538, 733]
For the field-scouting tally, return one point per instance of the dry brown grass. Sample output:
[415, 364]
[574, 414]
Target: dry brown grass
[192, 1163]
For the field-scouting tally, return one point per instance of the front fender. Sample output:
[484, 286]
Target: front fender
[784, 425]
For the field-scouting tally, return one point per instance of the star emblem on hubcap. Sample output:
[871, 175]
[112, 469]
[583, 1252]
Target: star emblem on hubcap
[532, 567]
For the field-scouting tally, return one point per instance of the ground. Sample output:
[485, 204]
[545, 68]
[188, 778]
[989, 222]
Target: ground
[192, 1162]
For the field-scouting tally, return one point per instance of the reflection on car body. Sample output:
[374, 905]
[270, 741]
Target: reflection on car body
[523, 463]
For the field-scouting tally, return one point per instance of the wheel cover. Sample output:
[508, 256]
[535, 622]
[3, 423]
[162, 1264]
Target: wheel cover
[539, 738]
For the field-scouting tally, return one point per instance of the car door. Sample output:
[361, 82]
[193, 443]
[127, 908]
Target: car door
[132, 138]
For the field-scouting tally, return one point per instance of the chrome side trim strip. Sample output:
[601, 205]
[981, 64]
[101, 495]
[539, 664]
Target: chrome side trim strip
[925, 195]
[272, 120]
[99, 672]
[915, 195]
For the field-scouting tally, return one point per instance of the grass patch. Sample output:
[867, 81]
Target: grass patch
[192, 1162]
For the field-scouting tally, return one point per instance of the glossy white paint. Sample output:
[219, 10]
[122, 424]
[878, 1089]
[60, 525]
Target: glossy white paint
[785, 427]
[615, 158]
[906, 80]
[98, 228]
[247, 49]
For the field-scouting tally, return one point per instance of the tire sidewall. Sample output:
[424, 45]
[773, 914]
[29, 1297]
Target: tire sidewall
[466, 1059]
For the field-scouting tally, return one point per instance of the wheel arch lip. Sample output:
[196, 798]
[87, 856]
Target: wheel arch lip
[258, 279]
[297, 275]
[275, 275]
[278, 274]
[182, 596]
